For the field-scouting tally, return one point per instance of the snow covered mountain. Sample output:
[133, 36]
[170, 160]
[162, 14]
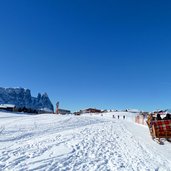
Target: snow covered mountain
[22, 98]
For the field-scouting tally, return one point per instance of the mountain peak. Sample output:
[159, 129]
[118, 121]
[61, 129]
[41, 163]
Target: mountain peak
[21, 97]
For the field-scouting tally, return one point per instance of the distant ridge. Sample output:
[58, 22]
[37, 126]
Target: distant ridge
[21, 97]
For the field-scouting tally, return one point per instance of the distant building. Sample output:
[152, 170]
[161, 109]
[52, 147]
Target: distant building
[91, 110]
[104, 111]
[77, 113]
[133, 110]
[63, 111]
[107, 111]
[7, 107]
[44, 110]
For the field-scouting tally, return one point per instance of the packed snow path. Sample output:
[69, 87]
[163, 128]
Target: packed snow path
[84, 143]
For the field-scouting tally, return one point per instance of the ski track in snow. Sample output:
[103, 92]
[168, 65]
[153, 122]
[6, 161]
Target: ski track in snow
[75, 143]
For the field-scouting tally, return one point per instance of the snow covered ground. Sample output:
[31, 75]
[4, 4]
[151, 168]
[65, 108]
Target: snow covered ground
[85, 143]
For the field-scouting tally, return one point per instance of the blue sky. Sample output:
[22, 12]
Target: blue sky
[105, 54]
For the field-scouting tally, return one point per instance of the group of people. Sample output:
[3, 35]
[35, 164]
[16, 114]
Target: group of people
[119, 116]
[151, 119]
[157, 118]
[167, 117]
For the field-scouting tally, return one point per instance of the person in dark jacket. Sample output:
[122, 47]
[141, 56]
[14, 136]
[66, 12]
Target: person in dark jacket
[167, 117]
[158, 117]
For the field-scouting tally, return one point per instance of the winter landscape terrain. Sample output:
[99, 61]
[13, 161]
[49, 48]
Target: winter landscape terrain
[85, 143]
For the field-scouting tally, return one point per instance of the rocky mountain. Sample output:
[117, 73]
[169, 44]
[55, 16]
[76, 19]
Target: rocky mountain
[22, 98]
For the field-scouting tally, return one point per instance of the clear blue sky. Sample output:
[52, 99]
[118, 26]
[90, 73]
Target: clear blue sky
[111, 54]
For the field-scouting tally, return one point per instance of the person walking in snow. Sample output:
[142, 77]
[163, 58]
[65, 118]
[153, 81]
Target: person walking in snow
[118, 116]
[123, 116]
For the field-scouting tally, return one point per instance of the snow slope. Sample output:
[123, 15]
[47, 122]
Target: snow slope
[85, 143]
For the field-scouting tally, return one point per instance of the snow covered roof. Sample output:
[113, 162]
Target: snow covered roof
[133, 110]
[46, 110]
[7, 106]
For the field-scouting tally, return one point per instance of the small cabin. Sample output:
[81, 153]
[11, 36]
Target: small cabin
[64, 111]
[91, 110]
[7, 107]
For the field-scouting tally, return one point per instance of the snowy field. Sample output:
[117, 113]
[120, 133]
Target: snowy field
[84, 143]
